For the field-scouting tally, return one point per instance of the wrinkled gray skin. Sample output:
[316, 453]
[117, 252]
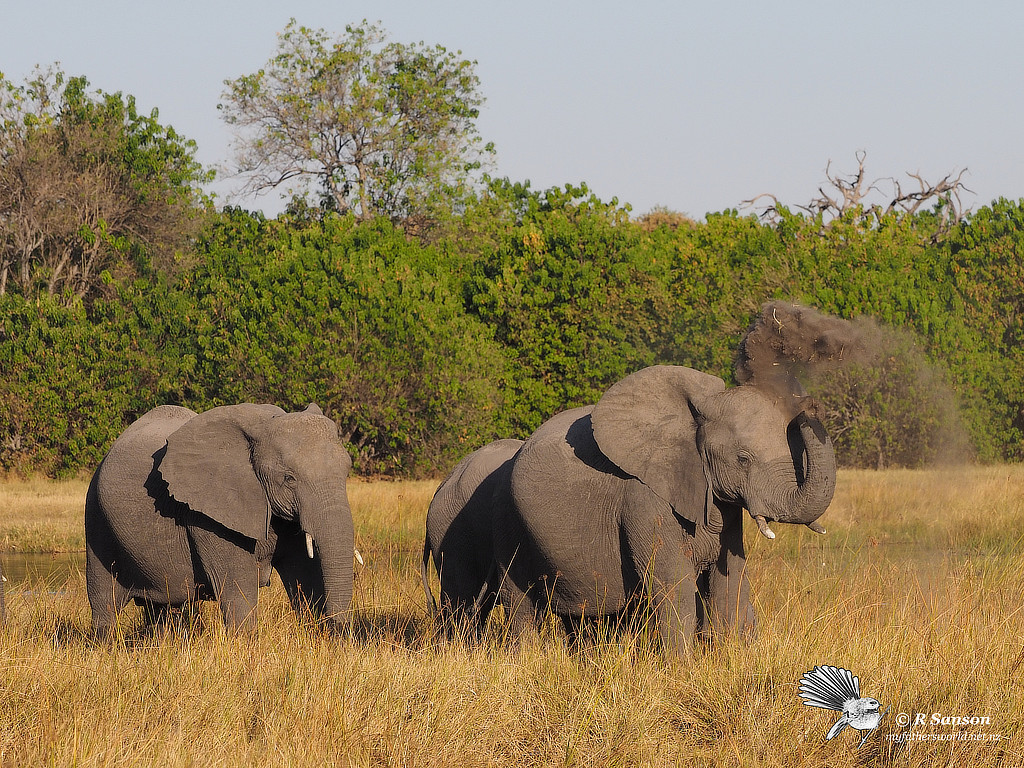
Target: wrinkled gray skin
[637, 502]
[459, 536]
[190, 506]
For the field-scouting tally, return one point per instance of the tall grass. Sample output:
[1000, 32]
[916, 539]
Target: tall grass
[40, 515]
[918, 588]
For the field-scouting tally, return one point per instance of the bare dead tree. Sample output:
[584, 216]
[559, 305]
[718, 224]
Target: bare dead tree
[843, 196]
[852, 192]
[947, 190]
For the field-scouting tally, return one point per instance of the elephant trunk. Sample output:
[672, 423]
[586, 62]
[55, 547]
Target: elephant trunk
[329, 535]
[808, 497]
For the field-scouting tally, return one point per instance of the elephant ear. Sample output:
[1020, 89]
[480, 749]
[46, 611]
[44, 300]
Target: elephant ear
[207, 466]
[647, 425]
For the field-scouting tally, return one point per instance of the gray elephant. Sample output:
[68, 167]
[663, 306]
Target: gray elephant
[188, 507]
[459, 536]
[635, 504]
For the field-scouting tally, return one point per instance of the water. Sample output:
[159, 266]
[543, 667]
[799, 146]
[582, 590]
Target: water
[42, 572]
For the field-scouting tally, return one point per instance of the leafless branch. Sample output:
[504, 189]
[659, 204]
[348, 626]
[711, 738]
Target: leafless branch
[770, 212]
[845, 194]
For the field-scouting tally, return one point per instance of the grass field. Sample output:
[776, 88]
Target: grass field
[918, 589]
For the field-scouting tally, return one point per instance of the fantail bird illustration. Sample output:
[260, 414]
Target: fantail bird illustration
[838, 689]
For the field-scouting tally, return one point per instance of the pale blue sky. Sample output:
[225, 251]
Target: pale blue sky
[692, 106]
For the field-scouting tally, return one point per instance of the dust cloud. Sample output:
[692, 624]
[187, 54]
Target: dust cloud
[887, 403]
[788, 345]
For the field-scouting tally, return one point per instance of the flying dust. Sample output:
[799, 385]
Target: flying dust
[787, 345]
[886, 403]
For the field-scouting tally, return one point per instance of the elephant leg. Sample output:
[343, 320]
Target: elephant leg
[294, 573]
[107, 596]
[237, 599]
[674, 605]
[582, 631]
[164, 617]
[484, 602]
[520, 612]
[464, 597]
[729, 602]
[155, 614]
[666, 575]
[301, 576]
[453, 606]
[232, 573]
[728, 588]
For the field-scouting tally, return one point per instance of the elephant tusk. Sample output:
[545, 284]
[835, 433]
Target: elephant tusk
[816, 527]
[358, 557]
[762, 526]
[309, 545]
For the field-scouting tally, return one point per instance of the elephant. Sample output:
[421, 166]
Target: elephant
[191, 506]
[459, 537]
[636, 504]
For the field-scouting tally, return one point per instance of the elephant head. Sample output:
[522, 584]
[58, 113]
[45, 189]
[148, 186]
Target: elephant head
[689, 438]
[243, 465]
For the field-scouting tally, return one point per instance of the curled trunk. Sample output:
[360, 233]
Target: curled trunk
[814, 493]
[806, 499]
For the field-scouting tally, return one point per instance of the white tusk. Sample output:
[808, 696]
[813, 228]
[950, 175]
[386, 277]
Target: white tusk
[817, 527]
[309, 545]
[762, 526]
[359, 558]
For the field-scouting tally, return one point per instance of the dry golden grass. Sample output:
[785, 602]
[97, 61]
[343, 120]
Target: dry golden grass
[40, 515]
[918, 588]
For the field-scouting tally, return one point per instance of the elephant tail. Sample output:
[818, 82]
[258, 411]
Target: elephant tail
[425, 573]
[487, 590]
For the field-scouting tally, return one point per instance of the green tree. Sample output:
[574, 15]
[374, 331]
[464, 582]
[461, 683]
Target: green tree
[75, 376]
[88, 185]
[381, 128]
[717, 274]
[354, 317]
[986, 351]
[569, 296]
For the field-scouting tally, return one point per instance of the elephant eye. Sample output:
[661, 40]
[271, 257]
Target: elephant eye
[289, 479]
[744, 460]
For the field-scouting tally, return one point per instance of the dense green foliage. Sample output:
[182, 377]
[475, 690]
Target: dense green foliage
[569, 299]
[373, 127]
[427, 315]
[354, 317]
[72, 379]
[88, 186]
[529, 303]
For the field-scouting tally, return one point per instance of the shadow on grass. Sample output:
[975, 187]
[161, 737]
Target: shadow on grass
[391, 627]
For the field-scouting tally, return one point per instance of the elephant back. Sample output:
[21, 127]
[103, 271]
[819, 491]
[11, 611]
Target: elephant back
[565, 516]
[558, 465]
[130, 460]
[468, 488]
[542, 458]
[127, 507]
